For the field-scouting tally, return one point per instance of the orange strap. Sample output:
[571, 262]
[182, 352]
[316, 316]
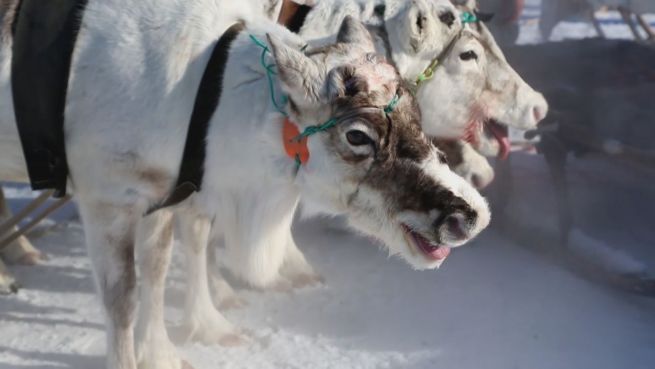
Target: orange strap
[294, 147]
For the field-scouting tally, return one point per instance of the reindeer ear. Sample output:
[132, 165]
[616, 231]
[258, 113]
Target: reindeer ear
[418, 22]
[353, 31]
[300, 76]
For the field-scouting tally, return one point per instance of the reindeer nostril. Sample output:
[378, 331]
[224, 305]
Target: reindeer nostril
[538, 113]
[477, 181]
[455, 226]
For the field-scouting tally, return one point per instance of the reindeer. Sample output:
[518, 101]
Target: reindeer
[450, 112]
[467, 58]
[368, 158]
[462, 110]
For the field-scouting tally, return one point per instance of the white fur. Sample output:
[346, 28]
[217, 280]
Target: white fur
[475, 168]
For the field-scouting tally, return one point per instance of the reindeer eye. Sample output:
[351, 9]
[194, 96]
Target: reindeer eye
[358, 138]
[442, 158]
[469, 55]
[420, 20]
[447, 18]
[351, 87]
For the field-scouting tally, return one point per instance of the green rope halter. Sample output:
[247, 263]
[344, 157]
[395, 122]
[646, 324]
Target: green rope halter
[310, 130]
[468, 17]
[428, 73]
[270, 72]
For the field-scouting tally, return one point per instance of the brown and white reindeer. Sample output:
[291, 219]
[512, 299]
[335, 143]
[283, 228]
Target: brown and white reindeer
[368, 158]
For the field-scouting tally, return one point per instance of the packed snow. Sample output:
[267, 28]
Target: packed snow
[494, 304]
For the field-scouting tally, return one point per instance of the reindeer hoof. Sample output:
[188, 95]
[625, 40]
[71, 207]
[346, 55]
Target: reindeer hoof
[8, 285]
[307, 280]
[233, 340]
[32, 258]
[14, 287]
[186, 365]
[282, 285]
[232, 303]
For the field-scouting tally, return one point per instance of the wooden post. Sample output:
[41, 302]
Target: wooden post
[11, 222]
[47, 211]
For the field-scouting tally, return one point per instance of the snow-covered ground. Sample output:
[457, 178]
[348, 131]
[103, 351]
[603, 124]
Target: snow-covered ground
[493, 305]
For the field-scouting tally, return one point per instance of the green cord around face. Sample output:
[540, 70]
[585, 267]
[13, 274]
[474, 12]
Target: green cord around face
[428, 73]
[468, 17]
[310, 130]
[333, 121]
[392, 104]
[270, 72]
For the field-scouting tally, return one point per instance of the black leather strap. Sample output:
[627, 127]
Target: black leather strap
[44, 35]
[207, 99]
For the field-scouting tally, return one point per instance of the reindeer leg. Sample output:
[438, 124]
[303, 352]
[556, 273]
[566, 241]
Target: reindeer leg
[627, 18]
[222, 293]
[21, 250]
[110, 232]
[154, 243]
[555, 154]
[256, 245]
[8, 284]
[201, 321]
[646, 27]
[296, 268]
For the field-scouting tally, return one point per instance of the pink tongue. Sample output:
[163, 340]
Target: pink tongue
[500, 135]
[440, 253]
[436, 253]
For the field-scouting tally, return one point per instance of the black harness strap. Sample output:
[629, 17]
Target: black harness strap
[44, 38]
[208, 97]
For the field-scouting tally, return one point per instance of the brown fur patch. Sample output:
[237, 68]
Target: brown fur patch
[158, 179]
[119, 297]
[452, 149]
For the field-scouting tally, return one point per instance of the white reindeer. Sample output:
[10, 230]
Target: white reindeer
[467, 96]
[283, 268]
[133, 80]
[472, 88]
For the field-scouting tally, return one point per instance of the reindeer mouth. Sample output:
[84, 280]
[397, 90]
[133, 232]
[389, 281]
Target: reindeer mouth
[430, 250]
[499, 132]
[490, 129]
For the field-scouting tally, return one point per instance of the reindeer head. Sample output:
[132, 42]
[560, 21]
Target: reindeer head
[472, 87]
[374, 164]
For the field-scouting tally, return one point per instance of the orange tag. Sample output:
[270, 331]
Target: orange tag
[292, 145]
